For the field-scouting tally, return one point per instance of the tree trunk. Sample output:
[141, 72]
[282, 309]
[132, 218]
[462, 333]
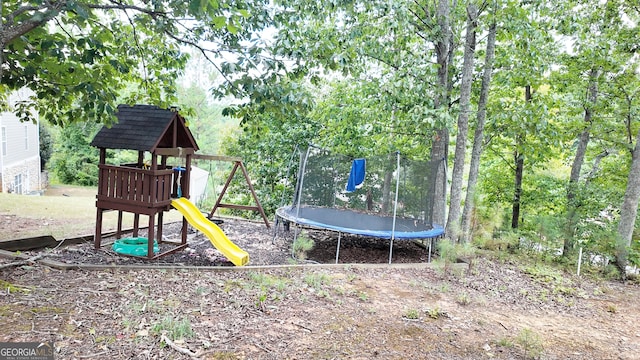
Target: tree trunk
[517, 193]
[518, 157]
[478, 136]
[629, 210]
[453, 226]
[440, 145]
[439, 153]
[576, 166]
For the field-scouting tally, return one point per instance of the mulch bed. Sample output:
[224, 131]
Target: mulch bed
[262, 244]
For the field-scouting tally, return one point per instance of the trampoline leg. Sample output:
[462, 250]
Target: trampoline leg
[430, 244]
[338, 247]
[295, 237]
[390, 250]
[275, 231]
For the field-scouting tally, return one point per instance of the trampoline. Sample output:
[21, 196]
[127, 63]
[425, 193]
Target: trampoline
[358, 223]
[386, 197]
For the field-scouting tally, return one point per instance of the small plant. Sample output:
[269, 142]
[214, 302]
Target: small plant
[450, 253]
[447, 252]
[544, 295]
[174, 329]
[435, 313]
[265, 281]
[281, 284]
[611, 308]
[259, 280]
[302, 245]
[530, 343]
[146, 306]
[363, 296]
[564, 290]
[463, 299]
[544, 274]
[230, 285]
[505, 342]
[201, 290]
[411, 314]
[262, 297]
[223, 355]
[127, 323]
[10, 288]
[315, 280]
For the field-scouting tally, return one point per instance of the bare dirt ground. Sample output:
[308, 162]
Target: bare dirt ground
[491, 308]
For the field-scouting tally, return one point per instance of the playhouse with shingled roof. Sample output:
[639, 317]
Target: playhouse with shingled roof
[144, 187]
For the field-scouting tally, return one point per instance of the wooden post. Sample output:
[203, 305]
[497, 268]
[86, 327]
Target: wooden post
[140, 159]
[187, 177]
[97, 237]
[160, 220]
[119, 226]
[136, 223]
[150, 236]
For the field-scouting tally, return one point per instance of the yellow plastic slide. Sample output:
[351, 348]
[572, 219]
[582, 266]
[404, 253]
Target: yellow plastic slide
[217, 237]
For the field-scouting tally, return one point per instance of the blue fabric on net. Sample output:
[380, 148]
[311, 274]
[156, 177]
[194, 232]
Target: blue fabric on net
[356, 176]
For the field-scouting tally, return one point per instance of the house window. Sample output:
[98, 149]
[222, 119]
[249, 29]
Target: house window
[4, 141]
[17, 184]
[26, 137]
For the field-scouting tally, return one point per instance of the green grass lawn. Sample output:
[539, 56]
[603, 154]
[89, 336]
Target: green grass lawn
[64, 212]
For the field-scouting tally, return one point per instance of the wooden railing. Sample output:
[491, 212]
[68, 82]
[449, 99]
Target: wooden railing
[134, 186]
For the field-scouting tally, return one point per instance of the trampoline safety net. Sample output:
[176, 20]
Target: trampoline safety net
[378, 196]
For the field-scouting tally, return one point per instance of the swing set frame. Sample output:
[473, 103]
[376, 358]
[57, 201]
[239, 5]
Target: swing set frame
[238, 164]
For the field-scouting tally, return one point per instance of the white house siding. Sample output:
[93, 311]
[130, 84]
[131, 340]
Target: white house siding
[22, 155]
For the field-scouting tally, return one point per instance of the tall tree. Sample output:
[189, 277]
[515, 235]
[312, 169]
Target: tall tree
[444, 46]
[629, 88]
[524, 52]
[453, 225]
[629, 210]
[518, 159]
[576, 166]
[584, 77]
[478, 137]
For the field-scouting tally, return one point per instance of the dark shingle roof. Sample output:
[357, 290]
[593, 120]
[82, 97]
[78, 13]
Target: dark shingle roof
[145, 128]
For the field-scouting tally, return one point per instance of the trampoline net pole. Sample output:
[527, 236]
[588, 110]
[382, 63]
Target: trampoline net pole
[338, 247]
[287, 174]
[395, 206]
[301, 180]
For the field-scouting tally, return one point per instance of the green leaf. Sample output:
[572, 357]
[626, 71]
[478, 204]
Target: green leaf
[232, 28]
[219, 22]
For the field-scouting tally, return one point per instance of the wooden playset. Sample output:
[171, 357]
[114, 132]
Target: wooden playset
[150, 187]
